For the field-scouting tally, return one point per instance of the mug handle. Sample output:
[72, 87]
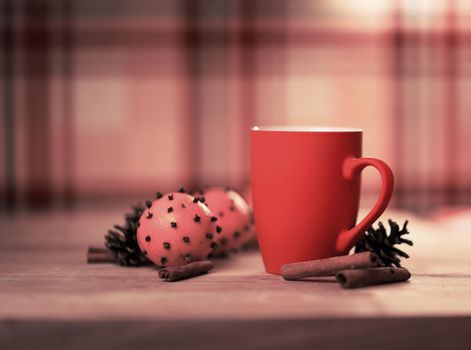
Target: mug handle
[352, 167]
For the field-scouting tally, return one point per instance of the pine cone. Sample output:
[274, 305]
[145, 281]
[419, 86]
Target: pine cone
[377, 241]
[122, 242]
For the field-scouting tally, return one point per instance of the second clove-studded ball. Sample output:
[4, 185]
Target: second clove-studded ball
[234, 223]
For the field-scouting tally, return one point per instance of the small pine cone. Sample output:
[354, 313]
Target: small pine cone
[122, 242]
[379, 242]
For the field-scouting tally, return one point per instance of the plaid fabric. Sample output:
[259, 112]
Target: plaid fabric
[102, 99]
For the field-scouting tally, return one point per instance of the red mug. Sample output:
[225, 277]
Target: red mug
[306, 192]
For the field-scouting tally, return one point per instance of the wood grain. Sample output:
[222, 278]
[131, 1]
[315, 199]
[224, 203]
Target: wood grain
[44, 277]
[344, 333]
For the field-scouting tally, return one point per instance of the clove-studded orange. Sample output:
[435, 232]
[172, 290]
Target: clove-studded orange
[176, 229]
[233, 226]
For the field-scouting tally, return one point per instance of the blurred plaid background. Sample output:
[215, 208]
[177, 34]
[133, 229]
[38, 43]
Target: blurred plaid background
[104, 99]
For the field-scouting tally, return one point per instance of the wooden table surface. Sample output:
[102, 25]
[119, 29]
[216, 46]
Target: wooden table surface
[46, 286]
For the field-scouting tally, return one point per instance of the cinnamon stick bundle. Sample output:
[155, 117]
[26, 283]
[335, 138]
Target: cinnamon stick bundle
[372, 276]
[328, 267]
[96, 255]
[177, 273]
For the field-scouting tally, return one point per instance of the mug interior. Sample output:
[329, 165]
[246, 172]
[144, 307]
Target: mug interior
[305, 129]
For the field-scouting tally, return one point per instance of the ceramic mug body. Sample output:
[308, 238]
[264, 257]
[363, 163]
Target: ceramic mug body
[306, 192]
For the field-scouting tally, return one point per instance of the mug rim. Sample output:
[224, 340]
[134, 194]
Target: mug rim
[307, 129]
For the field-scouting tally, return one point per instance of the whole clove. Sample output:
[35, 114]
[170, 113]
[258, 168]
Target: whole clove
[372, 276]
[177, 273]
[328, 267]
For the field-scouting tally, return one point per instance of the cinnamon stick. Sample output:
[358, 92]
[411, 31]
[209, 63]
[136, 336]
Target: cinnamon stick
[177, 273]
[328, 267]
[97, 249]
[96, 257]
[372, 276]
